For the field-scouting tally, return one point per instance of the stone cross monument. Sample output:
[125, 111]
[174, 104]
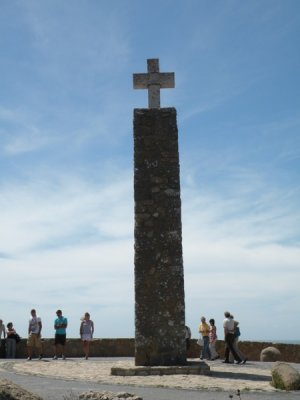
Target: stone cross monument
[154, 81]
[159, 283]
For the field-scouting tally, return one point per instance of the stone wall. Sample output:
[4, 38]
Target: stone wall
[98, 348]
[125, 348]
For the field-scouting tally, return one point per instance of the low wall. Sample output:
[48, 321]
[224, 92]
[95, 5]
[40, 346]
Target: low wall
[98, 348]
[125, 348]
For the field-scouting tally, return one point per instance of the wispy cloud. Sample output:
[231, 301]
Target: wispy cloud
[241, 247]
[30, 140]
[20, 132]
[54, 214]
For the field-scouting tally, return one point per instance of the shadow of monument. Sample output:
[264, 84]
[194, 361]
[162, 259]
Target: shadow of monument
[240, 375]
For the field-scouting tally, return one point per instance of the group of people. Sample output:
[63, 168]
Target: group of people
[207, 331]
[209, 337]
[9, 333]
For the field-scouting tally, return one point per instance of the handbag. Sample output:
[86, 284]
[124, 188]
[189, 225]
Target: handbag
[15, 336]
[200, 342]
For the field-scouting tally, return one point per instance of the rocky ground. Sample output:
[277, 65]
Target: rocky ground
[11, 391]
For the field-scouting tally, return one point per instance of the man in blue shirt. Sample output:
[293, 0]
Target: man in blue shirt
[60, 325]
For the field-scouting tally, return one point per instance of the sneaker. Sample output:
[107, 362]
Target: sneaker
[63, 357]
[40, 356]
[29, 358]
[86, 358]
[246, 359]
[54, 358]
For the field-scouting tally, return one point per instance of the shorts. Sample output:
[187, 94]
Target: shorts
[86, 337]
[34, 341]
[60, 339]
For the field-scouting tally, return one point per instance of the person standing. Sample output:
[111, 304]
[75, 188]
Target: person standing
[237, 334]
[204, 331]
[188, 335]
[86, 333]
[2, 330]
[60, 326]
[228, 325]
[34, 335]
[10, 341]
[212, 339]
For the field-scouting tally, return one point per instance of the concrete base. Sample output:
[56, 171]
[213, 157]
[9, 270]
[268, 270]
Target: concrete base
[191, 368]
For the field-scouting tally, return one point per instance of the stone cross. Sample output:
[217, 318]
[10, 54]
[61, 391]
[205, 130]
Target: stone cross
[154, 81]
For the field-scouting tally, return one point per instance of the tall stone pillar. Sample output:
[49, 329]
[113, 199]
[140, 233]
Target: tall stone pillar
[159, 283]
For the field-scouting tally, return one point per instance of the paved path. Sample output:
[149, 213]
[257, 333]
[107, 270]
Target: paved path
[50, 388]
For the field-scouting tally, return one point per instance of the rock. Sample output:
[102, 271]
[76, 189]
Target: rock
[285, 377]
[108, 396]
[270, 354]
[11, 391]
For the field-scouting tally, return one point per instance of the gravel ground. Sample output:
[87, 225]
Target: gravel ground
[76, 375]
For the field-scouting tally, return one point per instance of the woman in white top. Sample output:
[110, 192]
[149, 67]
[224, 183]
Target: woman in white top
[86, 333]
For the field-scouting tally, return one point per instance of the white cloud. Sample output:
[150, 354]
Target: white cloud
[43, 214]
[30, 140]
[241, 250]
[20, 132]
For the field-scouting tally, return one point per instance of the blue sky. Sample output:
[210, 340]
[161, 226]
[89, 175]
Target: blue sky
[66, 158]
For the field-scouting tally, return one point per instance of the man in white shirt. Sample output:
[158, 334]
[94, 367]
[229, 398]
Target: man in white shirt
[34, 335]
[228, 325]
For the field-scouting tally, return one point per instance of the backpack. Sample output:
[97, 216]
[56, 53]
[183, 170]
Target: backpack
[237, 332]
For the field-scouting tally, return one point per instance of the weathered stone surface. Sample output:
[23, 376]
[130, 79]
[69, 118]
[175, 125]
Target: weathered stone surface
[159, 285]
[109, 396]
[11, 391]
[270, 354]
[285, 377]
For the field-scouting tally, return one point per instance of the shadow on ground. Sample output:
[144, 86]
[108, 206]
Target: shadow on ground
[241, 376]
